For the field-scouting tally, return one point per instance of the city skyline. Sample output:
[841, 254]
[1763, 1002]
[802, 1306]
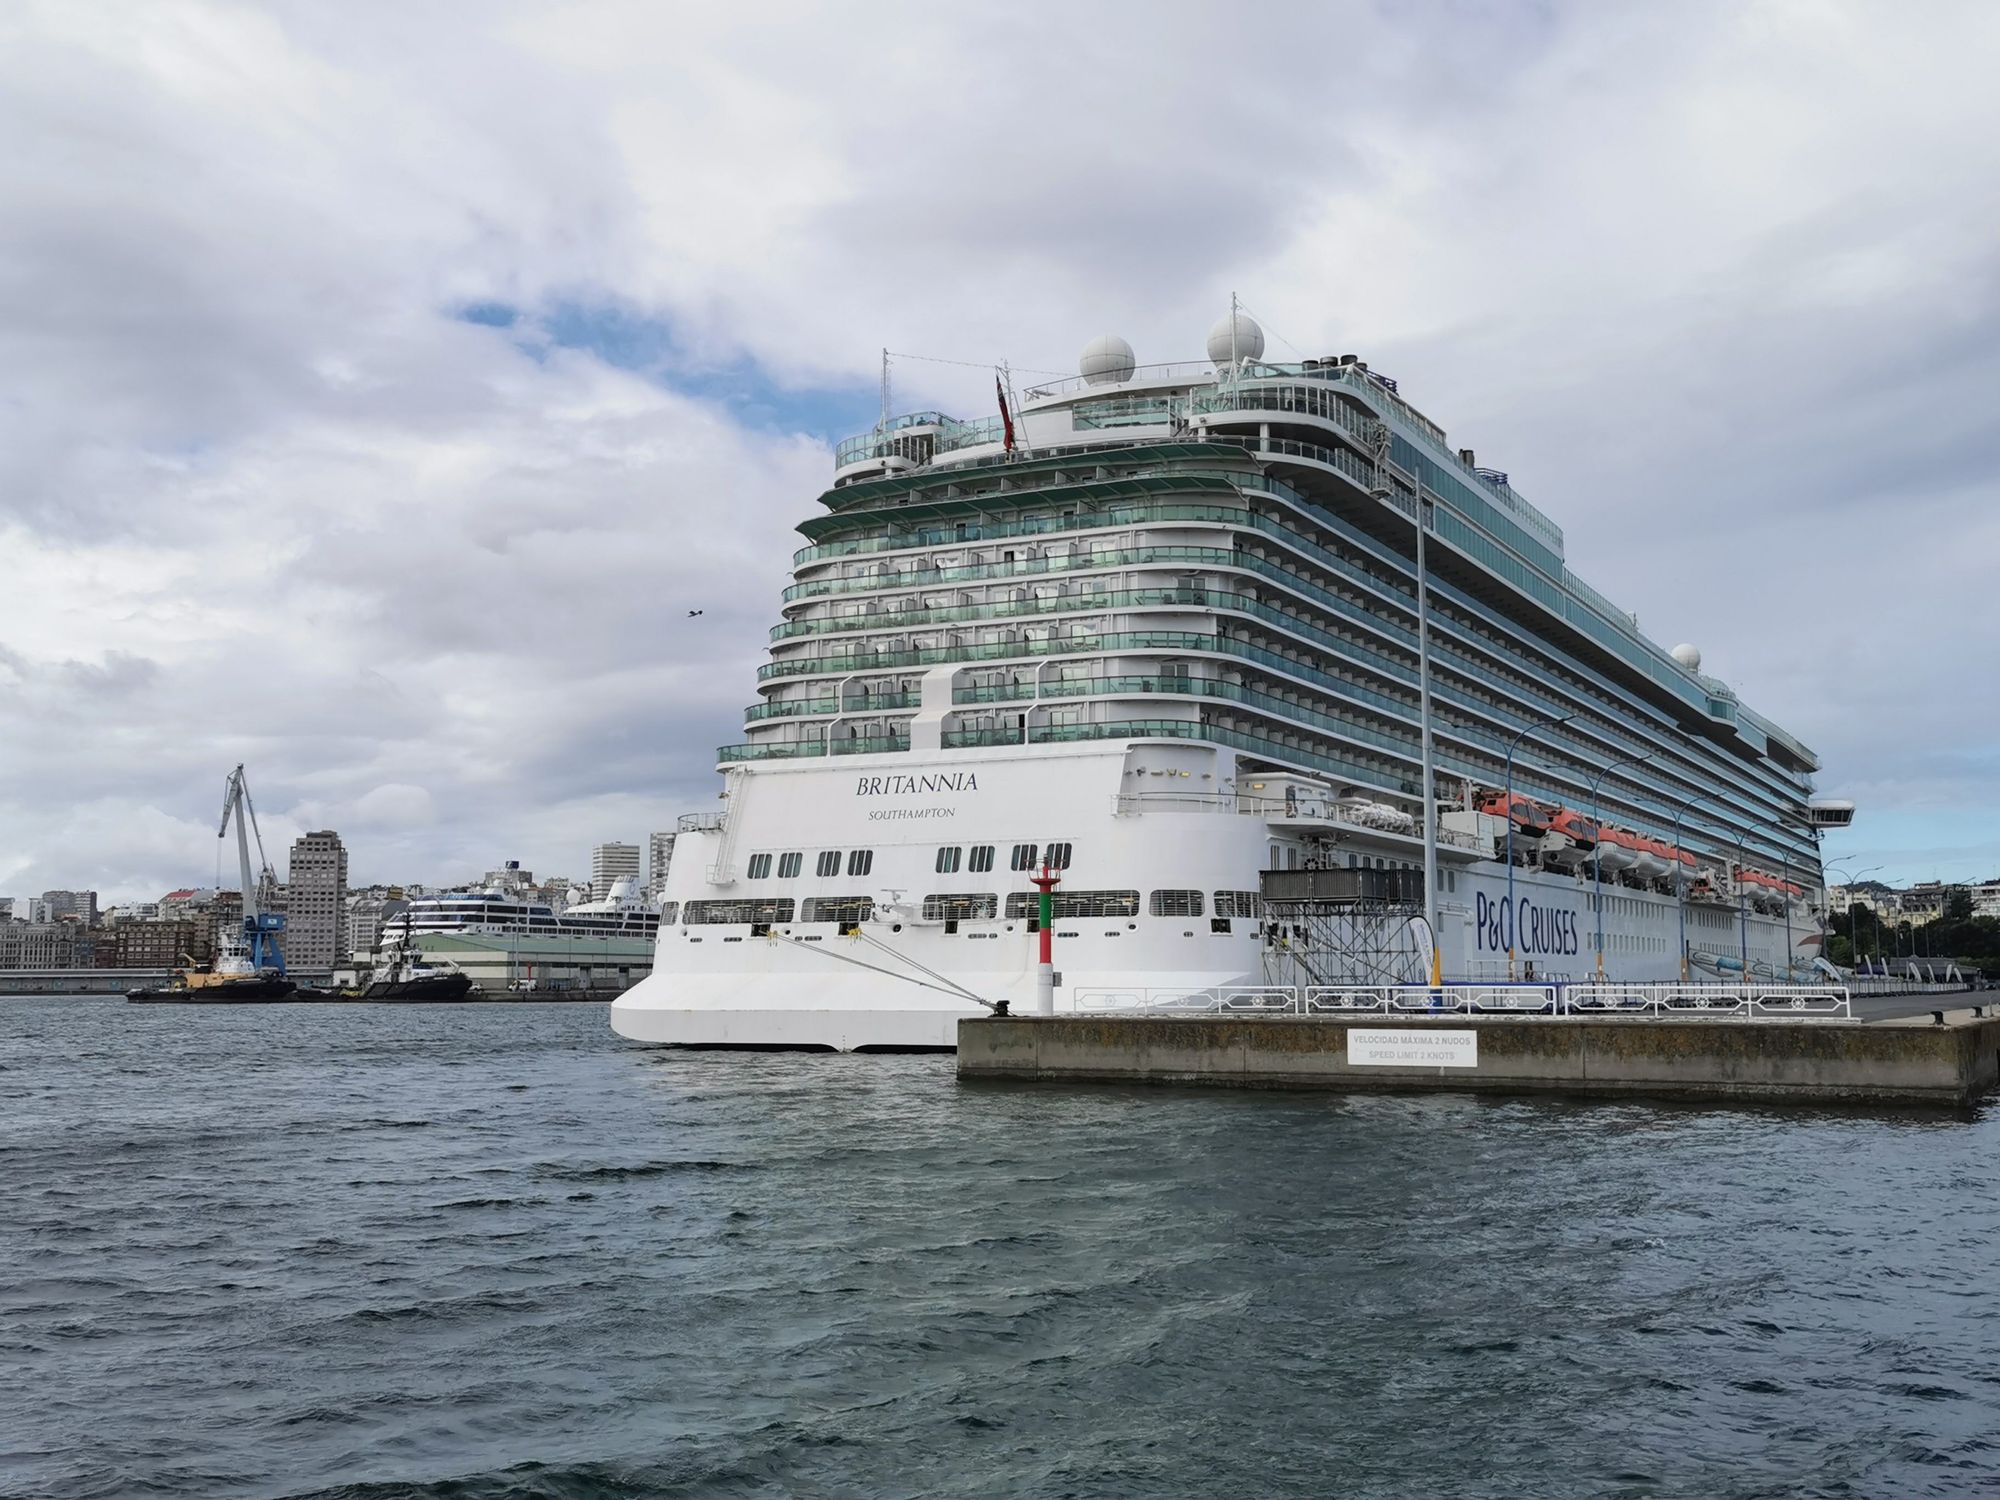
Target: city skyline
[459, 436]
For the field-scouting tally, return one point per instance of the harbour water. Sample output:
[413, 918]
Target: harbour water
[492, 1251]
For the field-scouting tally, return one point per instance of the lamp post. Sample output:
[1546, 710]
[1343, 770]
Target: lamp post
[1384, 491]
[1424, 722]
[1680, 898]
[1853, 916]
[1545, 722]
[1742, 911]
[1597, 849]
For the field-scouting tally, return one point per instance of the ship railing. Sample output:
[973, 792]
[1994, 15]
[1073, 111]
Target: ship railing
[1305, 809]
[1696, 1002]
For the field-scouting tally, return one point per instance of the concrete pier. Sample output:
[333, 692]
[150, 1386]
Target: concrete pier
[1913, 1060]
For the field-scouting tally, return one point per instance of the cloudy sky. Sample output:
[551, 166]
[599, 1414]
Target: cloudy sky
[381, 385]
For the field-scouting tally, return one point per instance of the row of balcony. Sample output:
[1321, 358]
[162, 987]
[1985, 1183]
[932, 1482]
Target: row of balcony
[1298, 666]
[1230, 515]
[1448, 652]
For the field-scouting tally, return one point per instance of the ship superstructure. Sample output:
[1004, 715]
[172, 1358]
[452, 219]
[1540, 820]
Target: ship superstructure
[1157, 628]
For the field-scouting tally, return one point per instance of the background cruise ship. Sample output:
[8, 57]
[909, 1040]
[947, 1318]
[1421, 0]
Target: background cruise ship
[508, 944]
[1156, 626]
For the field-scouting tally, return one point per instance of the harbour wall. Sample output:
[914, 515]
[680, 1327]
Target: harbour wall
[1914, 1061]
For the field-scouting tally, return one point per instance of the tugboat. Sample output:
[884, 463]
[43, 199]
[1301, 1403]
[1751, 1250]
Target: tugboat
[250, 968]
[233, 979]
[402, 977]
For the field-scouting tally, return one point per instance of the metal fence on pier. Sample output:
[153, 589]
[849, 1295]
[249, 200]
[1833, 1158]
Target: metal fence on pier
[1700, 1002]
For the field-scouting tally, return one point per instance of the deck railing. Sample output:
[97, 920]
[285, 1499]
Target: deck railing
[1686, 1002]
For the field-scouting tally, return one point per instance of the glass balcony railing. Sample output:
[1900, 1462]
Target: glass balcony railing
[870, 444]
[1210, 688]
[1447, 652]
[987, 651]
[1508, 715]
[791, 709]
[1538, 571]
[861, 705]
[1623, 743]
[896, 536]
[805, 749]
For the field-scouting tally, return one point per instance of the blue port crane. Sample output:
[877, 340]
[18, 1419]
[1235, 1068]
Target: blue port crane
[260, 927]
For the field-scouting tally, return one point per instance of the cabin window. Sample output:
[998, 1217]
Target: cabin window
[1056, 856]
[829, 863]
[1022, 904]
[948, 858]
[720, 913]
[1175, 904]
[1239, 904]
[789, 864]
[961, 906]
[760, 866]
[860, 861]
[846, 910]
[981, 860]
[1024, 856]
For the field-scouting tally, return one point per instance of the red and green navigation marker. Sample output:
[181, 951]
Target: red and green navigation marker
[1045, 974]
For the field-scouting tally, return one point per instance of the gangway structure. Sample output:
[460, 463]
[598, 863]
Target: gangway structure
[1343, 927]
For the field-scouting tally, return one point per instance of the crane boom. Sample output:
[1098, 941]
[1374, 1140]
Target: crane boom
[260, 928]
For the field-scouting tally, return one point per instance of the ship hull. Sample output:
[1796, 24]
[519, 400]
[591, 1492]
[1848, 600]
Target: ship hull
[903, 978]
[261, 991]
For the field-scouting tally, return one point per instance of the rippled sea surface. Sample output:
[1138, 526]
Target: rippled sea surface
[494, 1251]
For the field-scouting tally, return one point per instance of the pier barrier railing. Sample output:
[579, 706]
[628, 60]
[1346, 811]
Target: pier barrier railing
[1693, 1002]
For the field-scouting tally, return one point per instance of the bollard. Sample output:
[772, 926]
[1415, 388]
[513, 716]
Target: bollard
[1937, 1018]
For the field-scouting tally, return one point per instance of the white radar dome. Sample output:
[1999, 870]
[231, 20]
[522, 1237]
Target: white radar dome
[1245, 340]
[1689, 657]
[1106, 360]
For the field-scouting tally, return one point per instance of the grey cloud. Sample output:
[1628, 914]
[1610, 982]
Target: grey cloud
[1673, 270]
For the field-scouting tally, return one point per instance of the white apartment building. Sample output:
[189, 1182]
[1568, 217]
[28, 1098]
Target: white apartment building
[660, 854]
[609, 862]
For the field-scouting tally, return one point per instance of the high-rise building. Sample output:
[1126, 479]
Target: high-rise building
[71, 906]
[609, 862]
[660, 850]
[6, 908]
[316, 902]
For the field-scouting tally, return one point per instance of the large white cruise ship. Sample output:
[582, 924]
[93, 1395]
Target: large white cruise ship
[1157, 629]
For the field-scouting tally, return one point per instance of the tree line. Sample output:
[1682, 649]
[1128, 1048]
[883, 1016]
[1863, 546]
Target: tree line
[1957, 936]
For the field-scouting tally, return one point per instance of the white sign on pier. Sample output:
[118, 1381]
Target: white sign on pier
[1372, 1047]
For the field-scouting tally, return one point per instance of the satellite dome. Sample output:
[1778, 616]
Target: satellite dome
[1106, 360]
[1688, 656]
[1248, 342]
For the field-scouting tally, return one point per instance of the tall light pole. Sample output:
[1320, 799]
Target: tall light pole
[1597, 849]
[1545, 722]
[1680, 898]
[1384, 491]
[1742, 910]
[1853, 916]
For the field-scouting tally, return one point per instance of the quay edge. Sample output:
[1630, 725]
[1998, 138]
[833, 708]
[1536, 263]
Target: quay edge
[1913, 1061]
